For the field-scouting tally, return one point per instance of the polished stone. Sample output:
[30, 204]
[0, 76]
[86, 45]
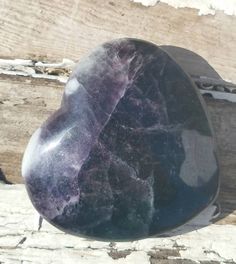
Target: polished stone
[130, 153]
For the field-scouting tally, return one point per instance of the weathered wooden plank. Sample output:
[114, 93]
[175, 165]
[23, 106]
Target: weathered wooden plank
[68, 29]
[26, 102]
[223, 116]
[198, 242]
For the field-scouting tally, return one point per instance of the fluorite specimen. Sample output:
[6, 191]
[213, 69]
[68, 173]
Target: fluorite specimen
[130, 153]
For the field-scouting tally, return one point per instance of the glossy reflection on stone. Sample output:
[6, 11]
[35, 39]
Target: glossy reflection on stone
[130, 153]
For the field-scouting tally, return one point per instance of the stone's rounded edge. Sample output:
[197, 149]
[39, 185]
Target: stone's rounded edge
[204, 107]
[164, 232]
[199, 95]
[30, 148]
[207, 115]
[211, 202]
[159, 234]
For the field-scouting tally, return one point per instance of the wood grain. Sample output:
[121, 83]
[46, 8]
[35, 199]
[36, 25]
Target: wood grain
[26, 102]
[58, 29]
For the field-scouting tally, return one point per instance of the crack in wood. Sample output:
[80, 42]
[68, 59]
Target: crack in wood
[21, 241]
[40, 222]
[163, 253]
[3, 178]
[117, 254]
[228, 261]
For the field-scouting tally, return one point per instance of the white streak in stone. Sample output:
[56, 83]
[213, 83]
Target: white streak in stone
[200, 160]
[71, 86]
[53, 143]
[31, 153]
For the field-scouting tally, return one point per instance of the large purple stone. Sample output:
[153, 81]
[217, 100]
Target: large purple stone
[130, 152]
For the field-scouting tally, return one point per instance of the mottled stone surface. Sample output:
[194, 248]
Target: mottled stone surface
[130, 153]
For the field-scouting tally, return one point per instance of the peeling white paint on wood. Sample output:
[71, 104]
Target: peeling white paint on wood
[205, 7]
[220, 95]
[60, 72]
[4, 63]
[51, 71]
[20, 242]
[147, 2]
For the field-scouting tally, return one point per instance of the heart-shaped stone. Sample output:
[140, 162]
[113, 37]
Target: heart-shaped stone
[130, 153]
